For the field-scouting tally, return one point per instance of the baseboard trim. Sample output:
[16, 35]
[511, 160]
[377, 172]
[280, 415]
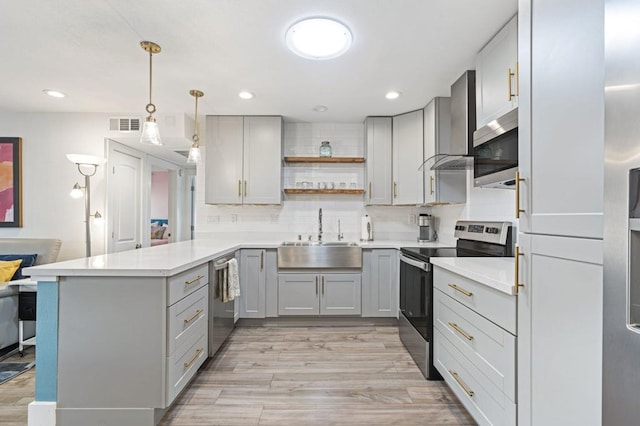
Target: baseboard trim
[42, 413]
[316, 322]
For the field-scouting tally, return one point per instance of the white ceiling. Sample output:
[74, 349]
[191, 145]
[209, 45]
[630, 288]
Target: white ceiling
[90, 50]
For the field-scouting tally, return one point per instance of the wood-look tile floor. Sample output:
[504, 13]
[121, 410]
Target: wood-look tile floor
[17, 393]
[315, 376]
[294, 376]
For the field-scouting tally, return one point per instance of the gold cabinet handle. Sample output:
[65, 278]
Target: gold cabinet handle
[316, 286]
[431, 179]
[517, 78]
[323, 285]
[195, 356]
[239, 188]
[194, 316]
[461, 331]
[370, 186]
[262, 260]
[461, 290]
[517, 284]
[198, 278]
[518, 209]
[464, 387]
[395, 190]
[245, 188]
[509, 75]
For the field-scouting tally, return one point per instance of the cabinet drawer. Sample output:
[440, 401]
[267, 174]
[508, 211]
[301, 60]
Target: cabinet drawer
[184, 316]
[187, 282]
[492, 304]
[183, 364]
[491, 349]
[470, 386]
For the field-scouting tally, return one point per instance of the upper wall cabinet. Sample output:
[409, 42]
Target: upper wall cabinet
[497, 75]
[378, 153]
[243, 160]
[441, 186]
[408, 154]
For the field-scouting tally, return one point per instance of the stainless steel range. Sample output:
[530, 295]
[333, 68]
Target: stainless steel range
[475, 239]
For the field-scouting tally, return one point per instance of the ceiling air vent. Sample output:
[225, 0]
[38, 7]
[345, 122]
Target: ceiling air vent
[124, 124]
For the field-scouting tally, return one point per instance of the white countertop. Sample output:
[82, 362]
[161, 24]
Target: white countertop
[494, 272]
[170, 259]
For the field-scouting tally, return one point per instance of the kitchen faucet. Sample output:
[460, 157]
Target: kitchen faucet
[320, 226]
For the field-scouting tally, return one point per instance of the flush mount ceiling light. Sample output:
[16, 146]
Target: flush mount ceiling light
[150, 133]
[392, 95]
[194, 151]
[53, 93]
[320, 108]
[318, 38]
[246, 95]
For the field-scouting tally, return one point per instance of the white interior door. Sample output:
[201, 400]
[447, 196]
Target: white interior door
[124, 201]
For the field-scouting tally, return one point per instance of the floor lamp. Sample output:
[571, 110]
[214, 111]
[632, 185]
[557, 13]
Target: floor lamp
[87, 166]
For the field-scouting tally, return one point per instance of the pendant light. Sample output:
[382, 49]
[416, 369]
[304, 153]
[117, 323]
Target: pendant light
[150, 133]
[194, 151]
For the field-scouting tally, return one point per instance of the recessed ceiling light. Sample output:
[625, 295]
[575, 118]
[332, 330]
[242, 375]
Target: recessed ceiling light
[392, 95]
[53, 93]
[318, 38]
[246, 95]
[320, 108]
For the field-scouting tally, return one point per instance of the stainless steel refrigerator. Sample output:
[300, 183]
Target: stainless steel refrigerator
[621, 353]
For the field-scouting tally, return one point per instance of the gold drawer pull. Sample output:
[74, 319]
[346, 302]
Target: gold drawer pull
[461, 383]
[461, 290]
[197, 354]
[461, 331]
[194, 316]
[198, 278]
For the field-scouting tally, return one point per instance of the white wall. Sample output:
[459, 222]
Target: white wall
[47, 176]
[159, 195]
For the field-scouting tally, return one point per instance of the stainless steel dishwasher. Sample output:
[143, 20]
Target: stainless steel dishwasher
[221, 314]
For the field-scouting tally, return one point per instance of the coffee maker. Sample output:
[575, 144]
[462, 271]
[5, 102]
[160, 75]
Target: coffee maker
[426, 224]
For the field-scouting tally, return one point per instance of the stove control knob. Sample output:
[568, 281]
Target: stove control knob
[491, 230]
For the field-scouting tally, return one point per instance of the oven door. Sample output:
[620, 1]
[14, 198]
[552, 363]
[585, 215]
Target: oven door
[415, 297]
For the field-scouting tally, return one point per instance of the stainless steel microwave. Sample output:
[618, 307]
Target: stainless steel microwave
[495, 153]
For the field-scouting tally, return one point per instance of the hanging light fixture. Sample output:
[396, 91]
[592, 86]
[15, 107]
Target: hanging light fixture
[150, 133]
[194, 151]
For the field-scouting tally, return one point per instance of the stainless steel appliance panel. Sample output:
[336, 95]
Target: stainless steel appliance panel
[221, 315]
[621, 340]
[324, 255]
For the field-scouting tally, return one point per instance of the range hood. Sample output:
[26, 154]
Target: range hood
[458, 155]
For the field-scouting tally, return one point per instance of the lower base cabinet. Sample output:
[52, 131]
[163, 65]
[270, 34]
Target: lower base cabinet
[319, 294]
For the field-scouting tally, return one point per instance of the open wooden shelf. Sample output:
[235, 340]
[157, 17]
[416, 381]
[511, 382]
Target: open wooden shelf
[323, 191]
[324, 159]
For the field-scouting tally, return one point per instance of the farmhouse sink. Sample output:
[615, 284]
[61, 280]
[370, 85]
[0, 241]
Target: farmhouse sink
[315, 255]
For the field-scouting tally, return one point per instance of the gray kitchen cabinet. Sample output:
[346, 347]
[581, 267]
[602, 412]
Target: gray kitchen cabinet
[243, 160]
[408, 155]
[497, 75]
[298, 294]
[378, 146]
[319, 294]
[560, 203]
[380, 276]
[271, 271]
[253, 275]
[441, 186]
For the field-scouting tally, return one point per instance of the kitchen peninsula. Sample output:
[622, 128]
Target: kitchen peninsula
[122, 334]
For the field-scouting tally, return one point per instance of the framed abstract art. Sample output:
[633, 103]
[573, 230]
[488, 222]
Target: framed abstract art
[10, 182]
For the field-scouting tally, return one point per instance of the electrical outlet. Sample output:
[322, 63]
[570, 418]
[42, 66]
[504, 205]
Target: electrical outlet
[274, 218]
[234, 218]
[213, 219]
[412, 219]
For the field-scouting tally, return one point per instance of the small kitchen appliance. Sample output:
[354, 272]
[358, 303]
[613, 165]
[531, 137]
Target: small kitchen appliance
[427, 231]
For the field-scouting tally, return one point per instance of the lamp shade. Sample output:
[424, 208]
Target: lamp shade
[194, 154]
[86, 159]
[150, 133]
